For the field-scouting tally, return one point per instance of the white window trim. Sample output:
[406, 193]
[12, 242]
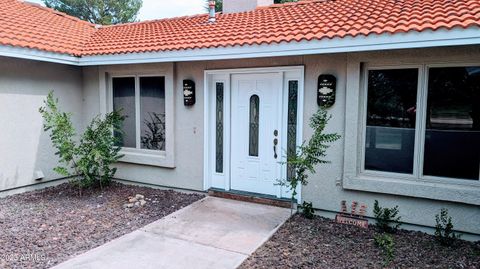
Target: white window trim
[164, 158]
[416, 184]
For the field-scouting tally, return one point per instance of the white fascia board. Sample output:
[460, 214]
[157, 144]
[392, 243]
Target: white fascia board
[38, 55]
[438, 38]
[373, 42]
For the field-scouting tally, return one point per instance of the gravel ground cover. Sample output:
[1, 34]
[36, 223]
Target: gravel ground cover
[40, 229]
[321, 243]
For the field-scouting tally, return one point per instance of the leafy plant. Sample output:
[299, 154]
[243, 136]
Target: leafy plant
[387, 218]
[307, 156]
[444, 229]
[307, 210]
[154, 137]
[88, 160]
[103, 12]
[387, 244]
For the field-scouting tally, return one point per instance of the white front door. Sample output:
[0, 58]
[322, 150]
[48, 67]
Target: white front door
[256, 128]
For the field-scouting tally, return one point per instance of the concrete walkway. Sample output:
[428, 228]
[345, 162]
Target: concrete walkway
[211, 233]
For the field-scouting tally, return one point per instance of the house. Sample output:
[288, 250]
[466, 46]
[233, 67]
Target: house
[230, 92]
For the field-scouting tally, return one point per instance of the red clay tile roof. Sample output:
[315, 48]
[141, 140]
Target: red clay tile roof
[34, 27]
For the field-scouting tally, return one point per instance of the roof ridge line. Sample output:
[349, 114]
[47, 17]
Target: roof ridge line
[36, 5]
[288, 4]
[156, 20]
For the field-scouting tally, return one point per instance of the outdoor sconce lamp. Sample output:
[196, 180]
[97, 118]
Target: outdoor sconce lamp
[326, 90]
[188, 92]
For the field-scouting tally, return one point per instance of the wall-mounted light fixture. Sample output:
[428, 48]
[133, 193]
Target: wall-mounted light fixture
[326, 90]
[188, 92]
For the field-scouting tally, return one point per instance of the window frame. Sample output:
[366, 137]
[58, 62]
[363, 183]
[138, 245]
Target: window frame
[416, 164]
[137, 155]
[424, 119]
[356, 177]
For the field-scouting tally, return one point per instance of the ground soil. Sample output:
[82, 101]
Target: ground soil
[40, 229]
[321, 243]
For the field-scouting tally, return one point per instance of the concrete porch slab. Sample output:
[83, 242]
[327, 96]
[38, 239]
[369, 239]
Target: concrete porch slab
[226, 224]
[211, 233]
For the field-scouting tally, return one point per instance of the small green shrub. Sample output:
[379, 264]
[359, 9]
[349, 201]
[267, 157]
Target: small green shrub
[387, 244]
[87, 159]
[387, 218]
[307, 210]
[304, 159]
[444, 229]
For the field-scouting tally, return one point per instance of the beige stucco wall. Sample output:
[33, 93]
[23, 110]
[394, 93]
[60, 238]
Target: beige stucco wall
[24, 147]
[325, 188]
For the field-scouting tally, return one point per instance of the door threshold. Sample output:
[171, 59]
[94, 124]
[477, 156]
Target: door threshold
[250, 197]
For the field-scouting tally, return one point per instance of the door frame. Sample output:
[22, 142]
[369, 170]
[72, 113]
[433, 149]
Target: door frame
[211, 179]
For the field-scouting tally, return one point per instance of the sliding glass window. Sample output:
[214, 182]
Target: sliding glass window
[446, 143]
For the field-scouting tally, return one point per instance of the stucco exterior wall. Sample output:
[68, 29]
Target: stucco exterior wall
[24, 148]
[325, 188]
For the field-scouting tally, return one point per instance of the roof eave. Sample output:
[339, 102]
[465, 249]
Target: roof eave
[373, 42]
[38, 55]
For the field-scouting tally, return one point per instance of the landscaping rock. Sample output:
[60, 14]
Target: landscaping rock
[56, 224]
[137, 201]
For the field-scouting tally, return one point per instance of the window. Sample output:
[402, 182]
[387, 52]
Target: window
[144, 109]
[452, 136]
[446, 143]
[124, 100]
[254, 125]
[390, 132]
[219, 128]
[292, 123]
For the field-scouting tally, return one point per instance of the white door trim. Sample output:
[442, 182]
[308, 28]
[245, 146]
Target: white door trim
[212, 179]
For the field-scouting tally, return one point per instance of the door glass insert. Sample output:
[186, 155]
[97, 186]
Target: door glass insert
[219, 128]
[292, 123]
[254, 125]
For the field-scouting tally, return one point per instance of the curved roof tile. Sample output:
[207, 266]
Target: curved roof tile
[32, 26]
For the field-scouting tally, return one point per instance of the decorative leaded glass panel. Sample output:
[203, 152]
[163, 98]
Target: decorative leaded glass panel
[219, 128]
[254, 125]
[292, 123]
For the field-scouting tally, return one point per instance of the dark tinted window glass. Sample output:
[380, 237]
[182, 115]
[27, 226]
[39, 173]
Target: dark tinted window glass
[452, 139]
[391, 115]
[152, 113]
[219, 128]
[124, 100]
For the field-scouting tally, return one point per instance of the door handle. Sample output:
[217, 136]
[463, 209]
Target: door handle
[275, 143]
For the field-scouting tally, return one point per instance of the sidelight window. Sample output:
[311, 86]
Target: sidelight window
[219, 127]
